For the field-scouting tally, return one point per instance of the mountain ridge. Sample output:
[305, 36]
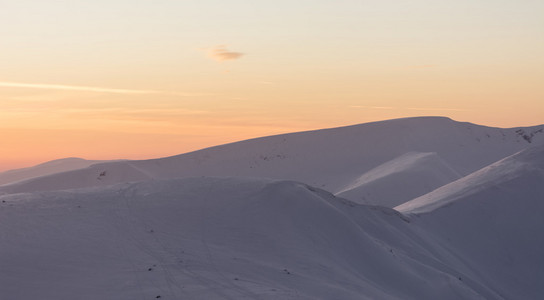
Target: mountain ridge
[46, 168]
[328, 158]
[209, 225]
[492, 218]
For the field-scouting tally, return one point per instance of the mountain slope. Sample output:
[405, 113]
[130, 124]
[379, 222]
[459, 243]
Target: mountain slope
[211, 238]
[47, 168]
[406, 177]
[492, 219]
[330, 158]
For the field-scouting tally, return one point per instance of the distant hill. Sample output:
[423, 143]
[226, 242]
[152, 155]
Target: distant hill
[47, 168]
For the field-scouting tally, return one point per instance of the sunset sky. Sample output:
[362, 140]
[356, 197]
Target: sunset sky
[107, 79]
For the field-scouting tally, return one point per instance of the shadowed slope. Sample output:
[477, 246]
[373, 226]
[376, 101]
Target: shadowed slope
[206, 238]
[492, 219]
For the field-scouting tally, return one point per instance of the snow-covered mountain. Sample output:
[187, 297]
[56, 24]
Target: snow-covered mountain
[493, 221]
[332, 159]
[232, 222]
[213, 238]
[401, 178]
[47, 168]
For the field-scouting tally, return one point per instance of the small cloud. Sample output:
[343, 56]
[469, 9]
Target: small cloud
[220, 53]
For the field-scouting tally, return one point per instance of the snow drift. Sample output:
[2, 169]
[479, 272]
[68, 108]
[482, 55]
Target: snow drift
[405, 177]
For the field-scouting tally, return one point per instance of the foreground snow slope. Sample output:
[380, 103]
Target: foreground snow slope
[211, 238]
[493, 221]
[331, 159]
[50, 167]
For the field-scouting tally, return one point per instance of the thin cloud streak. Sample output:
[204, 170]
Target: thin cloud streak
[409, 108]
[63, 87]
[162, 115]
[436, 109]
[375, 107]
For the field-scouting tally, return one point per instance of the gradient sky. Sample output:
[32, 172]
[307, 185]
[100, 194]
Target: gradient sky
[141, 79]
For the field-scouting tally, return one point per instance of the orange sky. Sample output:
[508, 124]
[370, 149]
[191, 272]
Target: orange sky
[106, 79]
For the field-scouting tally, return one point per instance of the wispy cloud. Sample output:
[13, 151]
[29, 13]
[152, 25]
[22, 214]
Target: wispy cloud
[373, 107]
[146, 114]
[64, 87]
[74, 88]
[220, 53]
[410, 108]
[436, 108]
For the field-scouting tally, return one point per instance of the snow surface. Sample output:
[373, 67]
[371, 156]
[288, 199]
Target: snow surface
[51, 167]
[213, 238]
[493, 221]
[330, 159]
[171, 229]
[406, 177]
[528, 161]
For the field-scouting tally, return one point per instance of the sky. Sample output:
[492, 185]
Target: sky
[138, 79]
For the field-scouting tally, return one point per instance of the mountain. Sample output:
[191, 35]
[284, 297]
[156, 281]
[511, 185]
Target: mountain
[331, 159]
[401, 178]
[492, 220]
[47, 168]
[216, 238]
[210, 225]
